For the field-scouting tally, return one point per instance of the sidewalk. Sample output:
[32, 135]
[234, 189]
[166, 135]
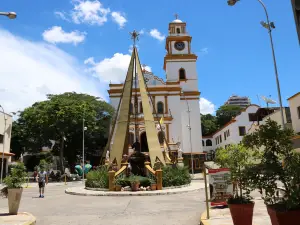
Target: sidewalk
[221, 216]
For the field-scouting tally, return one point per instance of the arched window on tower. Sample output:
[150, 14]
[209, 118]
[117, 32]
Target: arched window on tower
[131, 108]
[160, 107]
[131, 138]
[178, 30]
[208, 142]
[141, 107]
[182, 74]
[161, 137]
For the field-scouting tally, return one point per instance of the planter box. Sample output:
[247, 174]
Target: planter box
[14, 198]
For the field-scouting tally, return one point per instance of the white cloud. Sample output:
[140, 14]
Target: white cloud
[62, 15]
[58, 35]
[89, 12]
[112, 69]
[206, 107]
[204, 50]
[119, 19]
[33, 69]
[142, 31]
[157, 35]
[147, 68]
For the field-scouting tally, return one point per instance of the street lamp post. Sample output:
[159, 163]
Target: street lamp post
[269, 25]
[190, 131]
[3, 143]
[83, 130]
[10, 15]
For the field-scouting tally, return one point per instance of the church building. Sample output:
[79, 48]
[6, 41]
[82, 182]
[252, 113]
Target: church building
[175, 98]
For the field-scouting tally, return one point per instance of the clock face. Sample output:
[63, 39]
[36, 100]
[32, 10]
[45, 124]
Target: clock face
[179, 45]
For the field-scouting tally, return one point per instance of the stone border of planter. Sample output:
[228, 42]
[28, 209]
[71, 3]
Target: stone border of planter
[194, 186]
[96, 189]
[22, 218]
[164, 188]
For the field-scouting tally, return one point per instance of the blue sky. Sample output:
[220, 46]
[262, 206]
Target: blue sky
[50, 41]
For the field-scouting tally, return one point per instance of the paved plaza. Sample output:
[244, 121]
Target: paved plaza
[60, 208]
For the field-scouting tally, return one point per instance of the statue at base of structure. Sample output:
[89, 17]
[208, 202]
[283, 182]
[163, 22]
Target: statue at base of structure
[179, 150]
[137, 160]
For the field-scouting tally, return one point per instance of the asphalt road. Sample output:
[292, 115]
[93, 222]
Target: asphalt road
[58, 208]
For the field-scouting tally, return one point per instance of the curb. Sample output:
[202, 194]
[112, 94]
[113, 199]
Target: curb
[203, 219]
[138, 193]
[32, 221]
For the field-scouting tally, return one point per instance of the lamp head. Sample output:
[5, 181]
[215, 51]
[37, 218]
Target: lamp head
[232, 2]
[12, 15]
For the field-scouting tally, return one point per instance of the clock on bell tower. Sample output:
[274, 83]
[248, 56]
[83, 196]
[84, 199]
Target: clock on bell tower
[179, 62]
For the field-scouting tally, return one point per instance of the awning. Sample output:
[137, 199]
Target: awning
[6, 154]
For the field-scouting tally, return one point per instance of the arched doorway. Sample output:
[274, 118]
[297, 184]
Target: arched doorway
[144, 143]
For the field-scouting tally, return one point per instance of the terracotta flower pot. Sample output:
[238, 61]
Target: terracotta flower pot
[14, 198]
[118, 187]
[242, 214]
[284, 218]
[135, 186]
[153, 187]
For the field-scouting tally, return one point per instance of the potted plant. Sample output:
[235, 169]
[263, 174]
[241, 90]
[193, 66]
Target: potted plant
[135, 183]
[153, 184]
[276, 147]
[237, 158]
[118, 184]
[14, 184]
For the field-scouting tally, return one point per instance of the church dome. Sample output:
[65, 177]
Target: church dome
[177, 21]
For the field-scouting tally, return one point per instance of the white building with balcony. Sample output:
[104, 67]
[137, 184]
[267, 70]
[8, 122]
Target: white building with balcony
[232, 132]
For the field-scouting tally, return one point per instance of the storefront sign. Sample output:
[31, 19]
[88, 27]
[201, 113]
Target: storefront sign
[220, 186]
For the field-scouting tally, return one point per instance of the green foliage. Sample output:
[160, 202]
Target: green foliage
[237, 158]
[43, 165]
[208, 124]
[225, 113]
[175, 176]
[60, 118]
[127, 181]
[97, 178]
[17, 176]
[279, 162]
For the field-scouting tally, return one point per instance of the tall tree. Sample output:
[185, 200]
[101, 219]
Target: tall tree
[60, 118]
[225, 113]
[208, 124]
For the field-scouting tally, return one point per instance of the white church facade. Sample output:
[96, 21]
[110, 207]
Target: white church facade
[176, 98]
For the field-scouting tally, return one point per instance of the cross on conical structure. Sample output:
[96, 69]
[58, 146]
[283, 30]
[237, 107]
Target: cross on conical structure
[120, 129]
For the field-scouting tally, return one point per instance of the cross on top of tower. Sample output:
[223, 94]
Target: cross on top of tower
[134, 36]
[176, 16]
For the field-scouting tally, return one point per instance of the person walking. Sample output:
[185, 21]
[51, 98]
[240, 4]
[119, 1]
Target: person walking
[42, 179]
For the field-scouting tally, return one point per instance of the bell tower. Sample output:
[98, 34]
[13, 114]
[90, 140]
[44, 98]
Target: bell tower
[180, 66]
[180, 62]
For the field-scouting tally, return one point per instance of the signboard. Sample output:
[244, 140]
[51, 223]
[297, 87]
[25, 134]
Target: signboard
[220, 186]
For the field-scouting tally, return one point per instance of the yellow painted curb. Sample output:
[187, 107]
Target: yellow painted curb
[32, 221]
[204, 220]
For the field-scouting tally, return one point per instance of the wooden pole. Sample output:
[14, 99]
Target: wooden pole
[206, 192]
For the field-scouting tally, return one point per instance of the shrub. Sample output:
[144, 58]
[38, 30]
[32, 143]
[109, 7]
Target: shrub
[126, 181]
[237, 158]
[17, 176]
[97, 178]
[175, 176]
[279, 162]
